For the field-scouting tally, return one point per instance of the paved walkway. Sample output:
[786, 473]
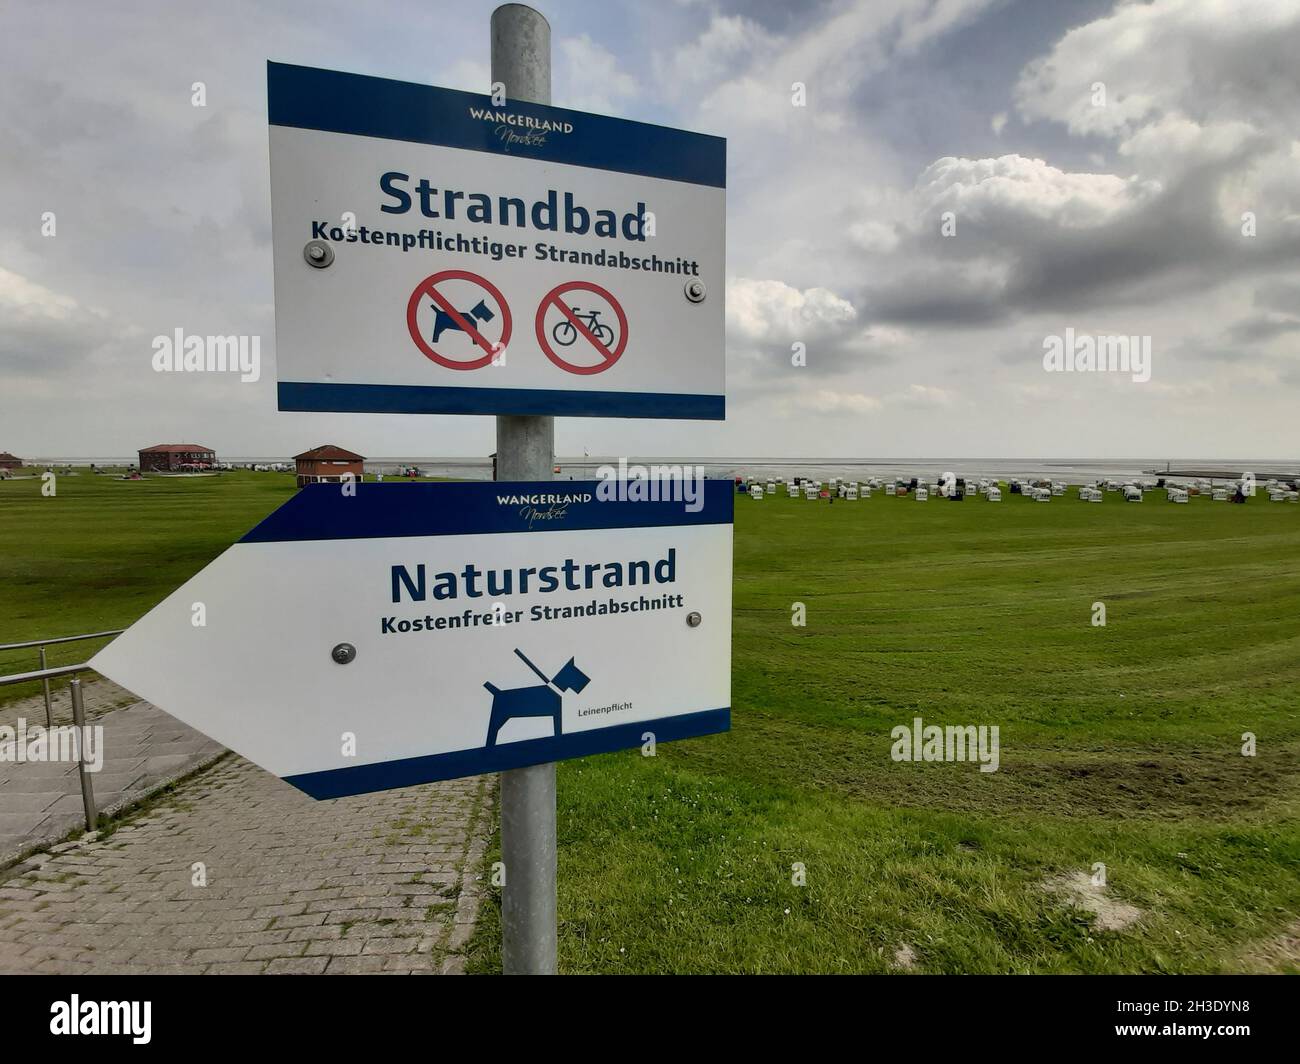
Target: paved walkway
[143, 750]
[386, 882]
[98, 696]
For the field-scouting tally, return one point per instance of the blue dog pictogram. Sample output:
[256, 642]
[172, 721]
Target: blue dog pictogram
[537, 701]
[442, 321]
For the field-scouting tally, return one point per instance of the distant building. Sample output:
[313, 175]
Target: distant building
[327, 464]
[8, 461]
[169, 457]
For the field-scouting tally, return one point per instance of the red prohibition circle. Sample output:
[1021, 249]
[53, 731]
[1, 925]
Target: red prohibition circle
[553, 298]
[428, 288]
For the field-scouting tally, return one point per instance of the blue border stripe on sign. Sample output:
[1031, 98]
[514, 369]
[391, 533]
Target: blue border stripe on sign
[363, 779]
[356, 104]
[390, 511]
[428, 399]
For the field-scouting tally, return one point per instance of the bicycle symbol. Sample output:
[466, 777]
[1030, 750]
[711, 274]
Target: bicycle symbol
[565, 332]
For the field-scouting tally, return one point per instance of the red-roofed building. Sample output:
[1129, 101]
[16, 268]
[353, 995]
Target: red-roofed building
[169, 457]
[8, 461]
[328, 464]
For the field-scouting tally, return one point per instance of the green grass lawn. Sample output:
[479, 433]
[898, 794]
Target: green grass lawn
[1119, 745]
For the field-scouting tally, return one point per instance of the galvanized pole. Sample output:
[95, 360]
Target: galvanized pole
[521, 61]
[45, 682]
[79, 722]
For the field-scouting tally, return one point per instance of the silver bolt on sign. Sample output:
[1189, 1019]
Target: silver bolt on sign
[318, 254]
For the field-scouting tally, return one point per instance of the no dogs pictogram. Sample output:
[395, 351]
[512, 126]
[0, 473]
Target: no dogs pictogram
[600, 329]
[439, 306]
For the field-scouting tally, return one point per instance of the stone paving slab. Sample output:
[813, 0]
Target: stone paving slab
[143, 750]
[98, 696]
[386, 883]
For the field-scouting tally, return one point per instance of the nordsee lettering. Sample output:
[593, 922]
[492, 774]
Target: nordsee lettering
[569, 575]
[547, 214]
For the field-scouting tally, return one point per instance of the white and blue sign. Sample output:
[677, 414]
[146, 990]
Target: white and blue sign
[393, 634]
[436, 252]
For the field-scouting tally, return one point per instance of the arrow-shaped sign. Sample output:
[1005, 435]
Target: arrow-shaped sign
[367, 636]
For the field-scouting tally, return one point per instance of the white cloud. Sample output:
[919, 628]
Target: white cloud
[925, 395]
[45, 331]
[593, 79]
[1205, 60]
[873, 235]
[826, 401]
[468, 75]
[988, 189]
[729, 41]
[751, 71]
[772, 311]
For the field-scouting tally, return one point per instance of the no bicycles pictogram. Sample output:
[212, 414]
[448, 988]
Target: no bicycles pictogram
[579, 331]
[441, 294]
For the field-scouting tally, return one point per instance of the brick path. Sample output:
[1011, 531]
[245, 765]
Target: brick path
[144, 749]
[98, 696]
[386, 882]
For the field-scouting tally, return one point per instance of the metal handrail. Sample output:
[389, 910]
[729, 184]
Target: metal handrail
[78, 721]
[60, 639]
[43, 674]
[78, 705]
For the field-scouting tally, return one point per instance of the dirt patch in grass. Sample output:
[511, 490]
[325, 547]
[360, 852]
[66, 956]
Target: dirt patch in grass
[1079, 891]
[1279, 954]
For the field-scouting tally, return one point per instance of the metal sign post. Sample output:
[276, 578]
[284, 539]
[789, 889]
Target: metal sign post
[521, 61]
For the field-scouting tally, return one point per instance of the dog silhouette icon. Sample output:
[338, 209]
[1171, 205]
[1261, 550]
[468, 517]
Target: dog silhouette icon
[540, 700]
[444, 322]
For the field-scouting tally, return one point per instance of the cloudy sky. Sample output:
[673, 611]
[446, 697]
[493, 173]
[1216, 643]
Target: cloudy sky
[1167, 205]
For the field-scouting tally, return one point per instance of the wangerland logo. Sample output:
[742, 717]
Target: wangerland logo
[519, 129]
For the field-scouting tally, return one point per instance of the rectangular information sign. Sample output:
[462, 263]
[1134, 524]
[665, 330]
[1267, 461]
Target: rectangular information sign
[439, 253]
